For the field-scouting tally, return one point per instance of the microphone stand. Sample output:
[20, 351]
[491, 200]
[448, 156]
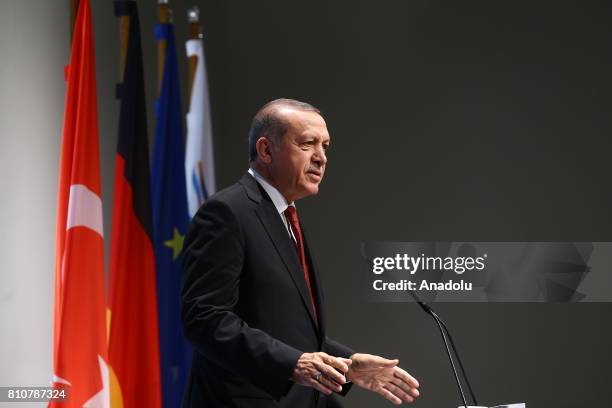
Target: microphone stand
[445, 332]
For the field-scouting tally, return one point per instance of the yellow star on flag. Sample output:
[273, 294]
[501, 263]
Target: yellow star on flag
[176, 243]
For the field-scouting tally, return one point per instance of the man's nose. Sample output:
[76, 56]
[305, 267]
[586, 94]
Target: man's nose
[319, 156]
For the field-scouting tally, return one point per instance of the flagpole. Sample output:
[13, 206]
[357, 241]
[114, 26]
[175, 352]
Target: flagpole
[194, 33]
[164, 17]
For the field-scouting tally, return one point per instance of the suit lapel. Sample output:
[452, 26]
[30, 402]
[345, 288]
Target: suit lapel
[272, 223]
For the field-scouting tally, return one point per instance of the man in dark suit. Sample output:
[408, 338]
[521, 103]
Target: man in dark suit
[252, 298]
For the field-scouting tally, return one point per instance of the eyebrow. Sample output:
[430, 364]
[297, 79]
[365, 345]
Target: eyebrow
[304, 136]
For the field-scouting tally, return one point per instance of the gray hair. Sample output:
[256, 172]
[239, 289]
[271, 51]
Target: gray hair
[270, 124]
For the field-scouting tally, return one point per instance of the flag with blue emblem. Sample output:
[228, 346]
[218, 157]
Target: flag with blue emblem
[199, 159]
[170, 220]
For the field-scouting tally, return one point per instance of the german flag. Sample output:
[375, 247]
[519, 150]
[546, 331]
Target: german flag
[133, 342]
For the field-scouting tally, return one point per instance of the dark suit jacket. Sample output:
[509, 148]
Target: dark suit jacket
[246, 308]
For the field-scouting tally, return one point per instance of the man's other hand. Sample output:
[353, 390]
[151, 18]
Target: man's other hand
[321, 371]
[384, 377]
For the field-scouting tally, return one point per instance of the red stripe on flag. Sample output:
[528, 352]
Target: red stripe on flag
[134, 345]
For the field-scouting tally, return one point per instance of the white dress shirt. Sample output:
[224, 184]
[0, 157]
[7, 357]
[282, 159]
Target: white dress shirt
[277, 198]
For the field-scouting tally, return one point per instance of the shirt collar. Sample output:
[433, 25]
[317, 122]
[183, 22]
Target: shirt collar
[277, 198]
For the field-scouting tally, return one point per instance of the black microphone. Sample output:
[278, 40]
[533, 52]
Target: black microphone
[445, 332]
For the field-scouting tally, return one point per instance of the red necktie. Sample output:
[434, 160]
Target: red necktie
[292, 217]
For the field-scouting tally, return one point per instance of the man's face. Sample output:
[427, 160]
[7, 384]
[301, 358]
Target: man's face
[298, 164]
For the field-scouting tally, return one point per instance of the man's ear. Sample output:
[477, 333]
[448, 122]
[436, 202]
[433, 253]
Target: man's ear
[264, 150]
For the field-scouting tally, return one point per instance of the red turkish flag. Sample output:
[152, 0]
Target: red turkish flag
[79, 341]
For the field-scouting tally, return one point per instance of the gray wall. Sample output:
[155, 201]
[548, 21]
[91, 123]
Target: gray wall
[34, 51]
[462, 121]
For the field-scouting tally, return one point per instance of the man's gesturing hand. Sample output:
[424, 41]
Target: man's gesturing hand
[320, 371]
[384, 377]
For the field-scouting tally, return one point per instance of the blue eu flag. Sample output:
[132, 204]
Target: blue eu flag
[170, 220]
